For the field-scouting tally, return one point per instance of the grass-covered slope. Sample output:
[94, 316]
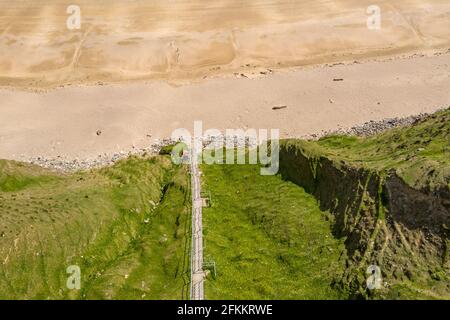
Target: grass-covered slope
[390, 198]
[125, 226]
[339, 205]
[420, 154]
[267, 237]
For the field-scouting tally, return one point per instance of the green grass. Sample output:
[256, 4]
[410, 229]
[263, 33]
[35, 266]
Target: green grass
[126, 227]
[420, 154]
[268, 238]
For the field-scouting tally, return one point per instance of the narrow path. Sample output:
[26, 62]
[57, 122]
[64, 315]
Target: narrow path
[197, 274]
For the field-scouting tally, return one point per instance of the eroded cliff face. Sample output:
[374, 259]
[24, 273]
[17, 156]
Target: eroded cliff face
[402, 230]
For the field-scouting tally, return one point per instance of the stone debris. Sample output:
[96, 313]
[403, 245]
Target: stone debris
[220, 141]
[372, 127]
[64, 164]
[61, 163]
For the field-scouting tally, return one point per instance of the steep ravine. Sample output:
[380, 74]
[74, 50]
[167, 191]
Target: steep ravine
[385, 222]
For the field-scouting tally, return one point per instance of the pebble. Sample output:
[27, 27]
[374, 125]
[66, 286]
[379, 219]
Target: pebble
[372, 127]
[59, 163]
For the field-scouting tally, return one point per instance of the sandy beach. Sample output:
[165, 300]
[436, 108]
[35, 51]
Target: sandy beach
[65, 121]
[137, 70]
[182, 40]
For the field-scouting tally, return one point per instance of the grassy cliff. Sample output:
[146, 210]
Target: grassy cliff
[390, 197]
[267, 237]
[338, 206]
[126, 227]
[379, 201]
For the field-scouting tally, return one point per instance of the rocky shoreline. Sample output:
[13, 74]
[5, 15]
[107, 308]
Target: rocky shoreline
[69, 165]
[61, 163]
[372, 127]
